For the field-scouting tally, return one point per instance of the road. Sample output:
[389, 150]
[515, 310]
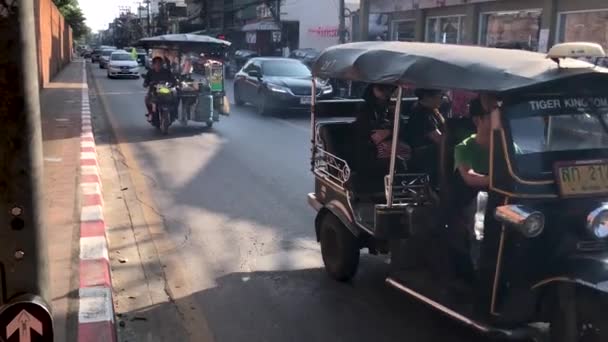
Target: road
[237, 242]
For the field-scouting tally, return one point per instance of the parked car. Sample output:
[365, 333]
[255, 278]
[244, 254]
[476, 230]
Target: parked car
[272, 83]
[307, 56]
[122, 64]
[238, 60]
[104, 57]
[95, 54]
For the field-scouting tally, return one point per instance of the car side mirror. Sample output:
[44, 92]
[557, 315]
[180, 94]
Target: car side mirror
[254, 73]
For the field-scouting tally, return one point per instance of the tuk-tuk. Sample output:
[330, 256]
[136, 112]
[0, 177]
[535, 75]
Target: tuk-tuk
[541, 264]
[202, 99]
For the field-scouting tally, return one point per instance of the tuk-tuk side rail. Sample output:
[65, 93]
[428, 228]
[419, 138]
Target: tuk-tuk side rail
[331, 167]
[408, 188]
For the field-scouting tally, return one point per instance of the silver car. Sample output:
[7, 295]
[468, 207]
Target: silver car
[104, 57]
[122, 64]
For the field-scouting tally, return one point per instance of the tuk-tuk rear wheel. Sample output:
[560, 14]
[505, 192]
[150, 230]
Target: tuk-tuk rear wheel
[339, 249]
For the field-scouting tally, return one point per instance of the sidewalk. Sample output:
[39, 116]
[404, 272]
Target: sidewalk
[69, 153]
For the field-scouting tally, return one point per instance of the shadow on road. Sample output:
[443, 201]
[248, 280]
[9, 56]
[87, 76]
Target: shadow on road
[299, 306]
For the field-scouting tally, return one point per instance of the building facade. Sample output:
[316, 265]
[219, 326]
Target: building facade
[528, 24]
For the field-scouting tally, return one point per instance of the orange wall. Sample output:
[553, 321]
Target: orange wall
[54, 40]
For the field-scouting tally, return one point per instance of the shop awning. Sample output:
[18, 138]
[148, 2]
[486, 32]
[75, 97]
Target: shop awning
[261, 26]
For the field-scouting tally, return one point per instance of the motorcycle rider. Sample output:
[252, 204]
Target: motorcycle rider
[157, 74]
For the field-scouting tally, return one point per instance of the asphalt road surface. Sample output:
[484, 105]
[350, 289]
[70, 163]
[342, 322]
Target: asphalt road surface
[233, 201]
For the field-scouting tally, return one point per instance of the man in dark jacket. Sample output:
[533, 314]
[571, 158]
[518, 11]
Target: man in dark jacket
[157, 74]
[373, 130]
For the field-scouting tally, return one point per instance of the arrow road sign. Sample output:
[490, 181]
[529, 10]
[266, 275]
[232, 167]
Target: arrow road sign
[26, 319]
[24, 323]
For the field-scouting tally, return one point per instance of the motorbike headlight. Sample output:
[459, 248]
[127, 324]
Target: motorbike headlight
[527, 221]
[278, 88]
[597, 222]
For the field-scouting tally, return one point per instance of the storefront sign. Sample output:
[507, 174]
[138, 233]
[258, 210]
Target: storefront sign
[324, 31]
[386, 6]
[276, 36]
[251, 37]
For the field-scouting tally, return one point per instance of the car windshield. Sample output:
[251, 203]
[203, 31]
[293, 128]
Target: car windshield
[548, 130]
[122, 57]
[106, 52]
[285, 69]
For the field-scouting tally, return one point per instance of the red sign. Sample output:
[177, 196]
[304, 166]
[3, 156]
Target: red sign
[324, 31]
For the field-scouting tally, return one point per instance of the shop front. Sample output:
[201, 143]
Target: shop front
[519, 29]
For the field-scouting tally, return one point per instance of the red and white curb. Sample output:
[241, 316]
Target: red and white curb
[95, 313]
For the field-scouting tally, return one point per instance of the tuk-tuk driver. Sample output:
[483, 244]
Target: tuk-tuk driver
[471, 156]
[157, 74]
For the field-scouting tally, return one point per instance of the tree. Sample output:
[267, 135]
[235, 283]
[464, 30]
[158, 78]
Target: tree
[70, 9]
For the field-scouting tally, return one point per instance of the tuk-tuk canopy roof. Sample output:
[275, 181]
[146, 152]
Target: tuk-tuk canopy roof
[445, 66]
[184, 41]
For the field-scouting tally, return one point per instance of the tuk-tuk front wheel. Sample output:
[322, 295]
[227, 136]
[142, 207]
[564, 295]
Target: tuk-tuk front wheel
[339, 249]
[578, 315]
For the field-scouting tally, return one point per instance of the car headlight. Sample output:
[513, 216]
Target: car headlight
[277, 88]
[327, 89]
[527, 221]
[597, 222]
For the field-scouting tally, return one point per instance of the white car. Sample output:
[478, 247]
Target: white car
[122, 64]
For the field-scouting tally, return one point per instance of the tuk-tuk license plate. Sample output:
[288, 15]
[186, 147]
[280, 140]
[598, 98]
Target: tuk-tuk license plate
[582, 178]
[305, 100]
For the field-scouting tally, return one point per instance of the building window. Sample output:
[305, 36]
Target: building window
[515, 29]
[587, 26]
[404, 30]
[446, 30]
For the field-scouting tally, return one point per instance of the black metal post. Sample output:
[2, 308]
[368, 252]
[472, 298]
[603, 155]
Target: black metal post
[342, 25]
[24, 280]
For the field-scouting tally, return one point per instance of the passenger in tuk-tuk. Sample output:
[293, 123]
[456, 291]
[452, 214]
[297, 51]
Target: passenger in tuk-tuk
[373, 137]
[423, 132]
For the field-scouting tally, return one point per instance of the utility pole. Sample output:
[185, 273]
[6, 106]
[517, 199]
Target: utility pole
[24, 285]
[364, 20]
[149, 25]
[342, 25]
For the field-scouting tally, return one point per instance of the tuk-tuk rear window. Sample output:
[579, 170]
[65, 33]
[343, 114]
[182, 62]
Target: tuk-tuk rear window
[558, 124]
